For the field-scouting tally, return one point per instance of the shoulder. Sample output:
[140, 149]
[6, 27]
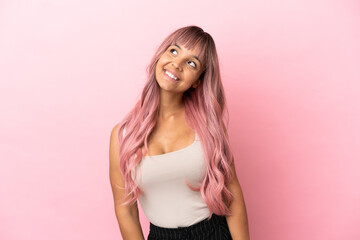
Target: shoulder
[114, 132]
[114, 142]
[114, 136]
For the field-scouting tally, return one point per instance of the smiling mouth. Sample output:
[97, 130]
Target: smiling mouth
[169, 74]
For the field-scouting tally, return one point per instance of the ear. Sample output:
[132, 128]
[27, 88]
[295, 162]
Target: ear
[195, 85]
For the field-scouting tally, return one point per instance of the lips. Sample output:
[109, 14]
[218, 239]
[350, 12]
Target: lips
[173, 73]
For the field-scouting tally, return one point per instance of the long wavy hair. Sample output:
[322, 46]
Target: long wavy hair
[205, 109]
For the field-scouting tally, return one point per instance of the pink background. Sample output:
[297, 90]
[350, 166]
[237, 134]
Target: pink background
[70, 70]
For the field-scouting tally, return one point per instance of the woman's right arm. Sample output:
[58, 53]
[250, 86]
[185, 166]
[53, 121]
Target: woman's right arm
[127, 216]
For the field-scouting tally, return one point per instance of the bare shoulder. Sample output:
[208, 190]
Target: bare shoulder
[114, 145]
[114, 131]
[116, 178]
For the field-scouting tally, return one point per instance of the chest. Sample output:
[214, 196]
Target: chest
[172, 169]
[169, 138]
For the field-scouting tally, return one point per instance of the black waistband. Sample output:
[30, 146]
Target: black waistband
[202, 226]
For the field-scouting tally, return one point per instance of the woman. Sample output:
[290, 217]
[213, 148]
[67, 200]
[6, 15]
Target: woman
[172, 150]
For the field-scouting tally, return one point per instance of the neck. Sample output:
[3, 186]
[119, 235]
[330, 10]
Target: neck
[171, 104]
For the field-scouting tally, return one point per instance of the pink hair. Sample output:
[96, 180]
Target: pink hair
[204, 109]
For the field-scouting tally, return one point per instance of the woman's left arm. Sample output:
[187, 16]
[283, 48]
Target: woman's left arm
[238, 222]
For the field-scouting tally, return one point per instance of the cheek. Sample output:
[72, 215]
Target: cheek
[160, 62]
[163, 57]
[191, 77]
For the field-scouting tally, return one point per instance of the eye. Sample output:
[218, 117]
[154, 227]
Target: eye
[194, 64]
[172, 49]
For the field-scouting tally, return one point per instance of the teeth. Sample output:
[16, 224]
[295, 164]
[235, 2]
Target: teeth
[170, 75]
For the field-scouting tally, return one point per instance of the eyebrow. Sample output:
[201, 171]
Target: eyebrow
[192, 55]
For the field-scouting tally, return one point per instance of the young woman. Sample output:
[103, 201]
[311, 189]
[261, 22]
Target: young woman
[172, 150]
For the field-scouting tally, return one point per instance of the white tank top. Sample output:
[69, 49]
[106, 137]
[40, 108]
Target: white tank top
[166, 200]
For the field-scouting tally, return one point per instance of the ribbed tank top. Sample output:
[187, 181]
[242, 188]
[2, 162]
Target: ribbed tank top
[166, 200]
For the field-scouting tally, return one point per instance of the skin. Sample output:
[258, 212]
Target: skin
[172, 126]
[181, 62]
[128, 215]
[172, 133]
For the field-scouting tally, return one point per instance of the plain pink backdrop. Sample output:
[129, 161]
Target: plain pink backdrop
[70, 70]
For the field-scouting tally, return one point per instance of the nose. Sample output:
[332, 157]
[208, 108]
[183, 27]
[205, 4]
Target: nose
[177, 63]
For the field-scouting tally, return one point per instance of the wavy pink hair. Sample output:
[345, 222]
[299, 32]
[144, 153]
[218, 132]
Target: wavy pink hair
[204, 109]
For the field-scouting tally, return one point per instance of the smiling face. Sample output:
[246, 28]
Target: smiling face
[178, 69]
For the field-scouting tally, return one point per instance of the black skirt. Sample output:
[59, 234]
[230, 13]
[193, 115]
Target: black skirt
[214, 229]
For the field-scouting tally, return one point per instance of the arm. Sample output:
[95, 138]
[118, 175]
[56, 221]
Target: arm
[238, 222]
[127, 216]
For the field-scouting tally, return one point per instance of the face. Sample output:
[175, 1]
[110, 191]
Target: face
[178, 69]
